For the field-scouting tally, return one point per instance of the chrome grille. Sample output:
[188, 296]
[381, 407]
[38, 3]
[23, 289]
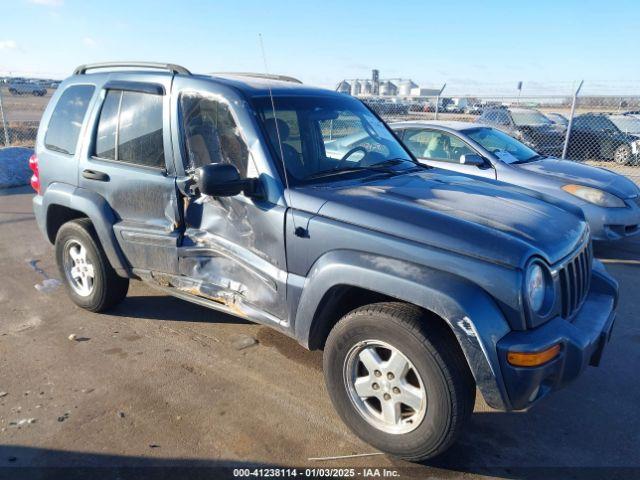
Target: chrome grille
[575, 279]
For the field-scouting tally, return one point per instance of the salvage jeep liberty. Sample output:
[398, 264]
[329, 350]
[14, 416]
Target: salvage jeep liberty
[230, 191]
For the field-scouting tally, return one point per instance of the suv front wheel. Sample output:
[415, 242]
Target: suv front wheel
[398, 379]
[90, 279]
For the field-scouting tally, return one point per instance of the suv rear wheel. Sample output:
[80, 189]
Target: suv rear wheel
[91, 281]
[399, 381]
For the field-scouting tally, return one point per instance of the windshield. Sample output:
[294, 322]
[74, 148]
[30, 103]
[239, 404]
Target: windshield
[506, 148]
[529, 118]
[626, 123]
[323, 135]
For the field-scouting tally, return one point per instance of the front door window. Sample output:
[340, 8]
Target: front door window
[436, 145]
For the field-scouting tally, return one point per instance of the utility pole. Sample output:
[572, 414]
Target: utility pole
[4, 122]
[519, 92]
[438, 100]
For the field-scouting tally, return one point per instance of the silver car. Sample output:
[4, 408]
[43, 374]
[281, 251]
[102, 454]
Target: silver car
[610, 202]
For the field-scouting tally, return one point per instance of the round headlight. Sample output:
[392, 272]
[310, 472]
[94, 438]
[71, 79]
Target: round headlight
[535, 285]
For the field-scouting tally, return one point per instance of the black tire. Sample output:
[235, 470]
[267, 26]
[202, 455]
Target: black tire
[108, 287]
[436, 356]
[623, 155]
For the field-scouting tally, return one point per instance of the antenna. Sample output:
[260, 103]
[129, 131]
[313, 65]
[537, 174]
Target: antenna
[302, 232]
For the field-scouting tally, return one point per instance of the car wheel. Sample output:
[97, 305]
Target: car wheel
[398, 379]
[91, 281]
[623, 155]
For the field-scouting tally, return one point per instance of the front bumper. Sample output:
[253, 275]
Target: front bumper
[582, 342]
[608, 224]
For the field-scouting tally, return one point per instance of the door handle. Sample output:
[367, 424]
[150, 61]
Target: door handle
[95, 175]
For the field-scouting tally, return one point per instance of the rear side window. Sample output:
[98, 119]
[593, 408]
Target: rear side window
[108, 125]
[64, 127]
[130, 129]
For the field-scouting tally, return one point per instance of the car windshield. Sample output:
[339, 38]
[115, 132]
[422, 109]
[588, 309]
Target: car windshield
[506, 148]
[626, 123]
[319, 136]
[529, 118]
[557, 118]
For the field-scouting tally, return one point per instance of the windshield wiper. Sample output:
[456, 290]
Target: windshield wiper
[532, 158]
[381, 167]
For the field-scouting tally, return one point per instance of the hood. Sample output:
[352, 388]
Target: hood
[547, 133]
[475, 217]
[566, 171]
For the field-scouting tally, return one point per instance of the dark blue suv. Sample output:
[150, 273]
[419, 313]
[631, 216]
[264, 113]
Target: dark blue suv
[419, 285]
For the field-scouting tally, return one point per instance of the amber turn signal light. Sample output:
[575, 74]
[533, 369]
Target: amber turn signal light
[519, 359]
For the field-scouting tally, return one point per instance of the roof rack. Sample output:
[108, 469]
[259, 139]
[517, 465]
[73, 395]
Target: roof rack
[284, 78]
[173, 68]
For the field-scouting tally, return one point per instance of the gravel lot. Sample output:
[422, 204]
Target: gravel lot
[162, 383]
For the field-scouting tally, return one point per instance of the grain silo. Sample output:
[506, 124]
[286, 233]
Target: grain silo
[404, 87]
[356, 88]
[344, 87]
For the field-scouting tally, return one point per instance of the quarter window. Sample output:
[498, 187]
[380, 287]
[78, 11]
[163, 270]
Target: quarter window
[130, 129]
[67, 118]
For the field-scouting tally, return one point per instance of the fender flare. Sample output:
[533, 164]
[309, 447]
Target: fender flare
[96, 208]
[470, 312]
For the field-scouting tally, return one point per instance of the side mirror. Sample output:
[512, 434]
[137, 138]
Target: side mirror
[472, 159]
[219, 180]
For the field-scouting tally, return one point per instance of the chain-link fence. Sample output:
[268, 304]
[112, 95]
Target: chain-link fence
[21, 106]
[601, 130]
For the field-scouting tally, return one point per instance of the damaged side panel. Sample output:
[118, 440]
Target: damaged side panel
[234, 252]
[150, 244]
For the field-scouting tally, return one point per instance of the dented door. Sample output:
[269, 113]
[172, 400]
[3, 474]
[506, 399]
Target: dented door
[232, 250]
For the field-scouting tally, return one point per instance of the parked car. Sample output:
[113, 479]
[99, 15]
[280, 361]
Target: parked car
[558, 119]
[418, 284]
[27, 88]
[387, 107]
[453, 108]
[527, 125]
[474, 109]
[606, 136]
[610, 202]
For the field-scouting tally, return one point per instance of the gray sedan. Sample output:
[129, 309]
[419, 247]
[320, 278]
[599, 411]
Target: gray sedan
[610, 202]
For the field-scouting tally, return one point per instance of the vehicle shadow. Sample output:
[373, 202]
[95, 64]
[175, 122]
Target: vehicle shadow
[5, 191]
[21, 462]
[166, 307]
[625, 252]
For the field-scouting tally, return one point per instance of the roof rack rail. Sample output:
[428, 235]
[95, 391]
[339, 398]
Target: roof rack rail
[173, 68]
[284, 78]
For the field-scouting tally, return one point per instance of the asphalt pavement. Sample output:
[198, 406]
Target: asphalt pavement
[162, 383]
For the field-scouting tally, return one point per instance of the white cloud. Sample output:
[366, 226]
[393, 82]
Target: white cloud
[89, 42]
[47, 3]
[8, 45]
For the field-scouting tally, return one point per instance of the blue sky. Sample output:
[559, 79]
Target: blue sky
[468, 43]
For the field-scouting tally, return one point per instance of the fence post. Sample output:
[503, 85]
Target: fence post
[4, 122]
[438, 101]
[573, 111]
